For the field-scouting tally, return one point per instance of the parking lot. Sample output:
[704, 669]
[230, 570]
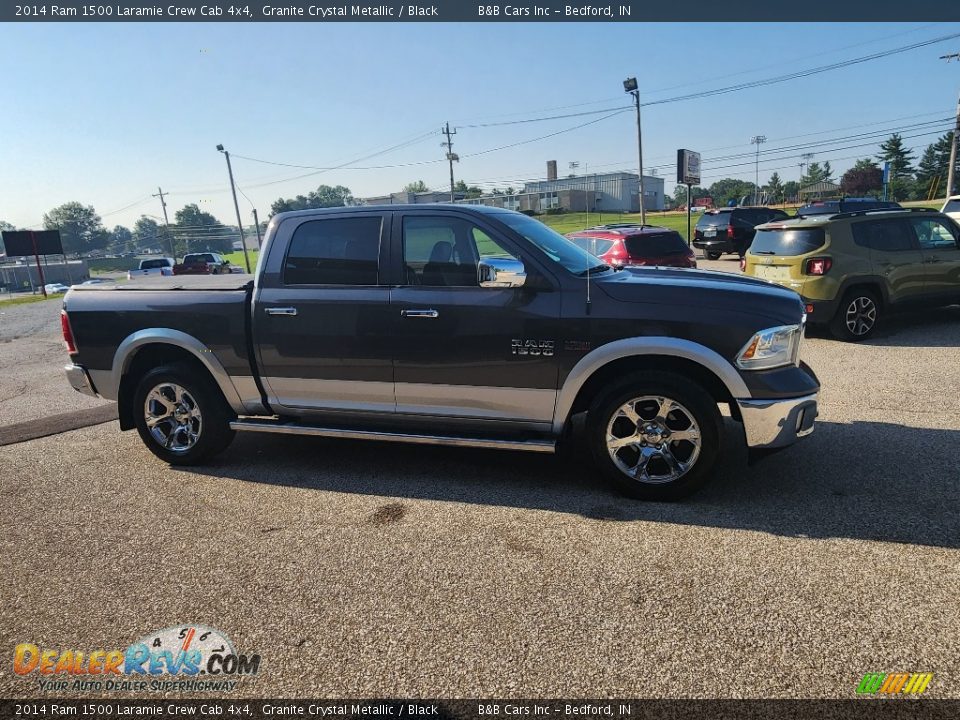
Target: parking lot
[370, 569]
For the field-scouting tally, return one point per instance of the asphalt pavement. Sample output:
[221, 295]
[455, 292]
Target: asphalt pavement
[371, 569]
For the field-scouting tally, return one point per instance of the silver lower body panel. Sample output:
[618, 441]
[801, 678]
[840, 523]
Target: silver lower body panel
[286, 428]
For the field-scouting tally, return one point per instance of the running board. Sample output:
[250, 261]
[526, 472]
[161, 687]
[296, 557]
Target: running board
[544, 446]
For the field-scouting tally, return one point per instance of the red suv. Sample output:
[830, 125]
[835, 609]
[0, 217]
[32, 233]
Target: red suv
[628, 244]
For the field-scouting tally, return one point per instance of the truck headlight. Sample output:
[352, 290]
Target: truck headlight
[771, 348]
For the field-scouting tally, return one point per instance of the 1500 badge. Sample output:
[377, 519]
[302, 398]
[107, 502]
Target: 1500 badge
[531, 347]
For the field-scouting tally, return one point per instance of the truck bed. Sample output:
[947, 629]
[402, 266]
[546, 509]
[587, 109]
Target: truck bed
[234, 281]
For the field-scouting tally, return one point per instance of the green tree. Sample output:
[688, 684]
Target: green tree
[81, 229]
[817, 173]
[727, 189]
[680, 194]
[4, 225]
[901, 159]
[469, 191]
[791, 189]
[121, 238]
[934, 163]
[775, 187]
[416, 186]
[323, 196]
[148, 233]
[199, 231]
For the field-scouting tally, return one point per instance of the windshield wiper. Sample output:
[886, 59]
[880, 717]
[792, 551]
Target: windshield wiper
[764, 252]
[593, 270]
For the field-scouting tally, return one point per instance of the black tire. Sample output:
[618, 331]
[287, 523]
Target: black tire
[647, 389]
[712, 254]
[858, 315]
[201, 408]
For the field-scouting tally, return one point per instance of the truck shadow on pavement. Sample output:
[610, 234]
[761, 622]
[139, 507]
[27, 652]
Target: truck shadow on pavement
[862, 480]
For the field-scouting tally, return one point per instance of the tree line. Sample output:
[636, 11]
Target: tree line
[928, 179]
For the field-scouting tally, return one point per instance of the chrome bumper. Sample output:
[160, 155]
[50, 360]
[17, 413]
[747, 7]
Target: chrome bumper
[80, 380]
[777, 423]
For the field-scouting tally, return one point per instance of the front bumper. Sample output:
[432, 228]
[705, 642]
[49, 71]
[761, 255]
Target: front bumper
[777, 423]
[80, 380]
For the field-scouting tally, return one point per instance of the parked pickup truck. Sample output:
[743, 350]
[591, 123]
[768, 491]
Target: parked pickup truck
[202, 264]
[152, 267]
[450, 325]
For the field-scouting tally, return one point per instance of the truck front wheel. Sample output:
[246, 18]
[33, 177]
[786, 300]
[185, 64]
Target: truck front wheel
[655, 436]
[181, 415]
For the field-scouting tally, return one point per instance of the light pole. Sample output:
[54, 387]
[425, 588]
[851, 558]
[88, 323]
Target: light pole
[757, 140]
[236, 206]
[630, 86]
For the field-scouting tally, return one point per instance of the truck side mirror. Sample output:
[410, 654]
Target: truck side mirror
[501, 272]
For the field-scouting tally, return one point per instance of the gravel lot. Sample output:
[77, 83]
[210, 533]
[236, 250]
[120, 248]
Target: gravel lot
[32, 355]
[381, 570]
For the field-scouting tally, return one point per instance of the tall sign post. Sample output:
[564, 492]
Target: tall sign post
[24, 243]
[688, 173]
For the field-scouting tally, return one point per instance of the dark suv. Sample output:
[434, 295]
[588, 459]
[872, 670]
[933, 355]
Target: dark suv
[630, 244]
[731, 230]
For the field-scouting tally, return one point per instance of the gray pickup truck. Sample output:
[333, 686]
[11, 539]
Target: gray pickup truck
[450, 325]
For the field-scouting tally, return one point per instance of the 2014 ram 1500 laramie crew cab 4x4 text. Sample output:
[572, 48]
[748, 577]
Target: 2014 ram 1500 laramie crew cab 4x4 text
[456, 325]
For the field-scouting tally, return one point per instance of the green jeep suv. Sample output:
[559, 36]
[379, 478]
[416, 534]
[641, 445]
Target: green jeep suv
[852, 268]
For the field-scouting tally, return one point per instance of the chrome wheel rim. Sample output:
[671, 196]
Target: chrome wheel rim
[173, 417]
[861, 316]
[653, 439]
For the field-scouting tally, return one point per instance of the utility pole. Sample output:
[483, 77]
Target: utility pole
[757, 140]
[166, 222]
[951, 170]
[256, 222]
[451, 155]
[236, 206]
[630, 86]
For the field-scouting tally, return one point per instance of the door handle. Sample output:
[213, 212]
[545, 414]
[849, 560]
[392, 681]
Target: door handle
[281, 311]
[420, 313]
[933, 259]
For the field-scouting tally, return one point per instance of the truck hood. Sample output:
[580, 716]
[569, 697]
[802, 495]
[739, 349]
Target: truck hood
[708, 288]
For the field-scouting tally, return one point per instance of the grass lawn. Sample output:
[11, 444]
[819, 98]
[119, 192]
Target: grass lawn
[236, 258]
[571, 222]
[27, 299]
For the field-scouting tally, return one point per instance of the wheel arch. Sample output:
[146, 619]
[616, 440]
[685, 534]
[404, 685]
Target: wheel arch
[146, 349]
[610, 361]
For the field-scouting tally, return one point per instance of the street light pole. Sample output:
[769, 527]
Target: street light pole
[757, 140]
[630, 86]
[236, 206]
[256, 222]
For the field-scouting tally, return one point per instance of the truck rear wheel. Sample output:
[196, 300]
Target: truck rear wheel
[655, 436]
[712, 254]
[181, 415]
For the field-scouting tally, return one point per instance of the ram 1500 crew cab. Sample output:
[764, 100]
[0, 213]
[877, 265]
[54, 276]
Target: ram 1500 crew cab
[450, 324]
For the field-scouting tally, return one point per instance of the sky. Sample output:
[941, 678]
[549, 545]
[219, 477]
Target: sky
[104, 114]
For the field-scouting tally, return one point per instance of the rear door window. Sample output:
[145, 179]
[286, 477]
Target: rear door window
[337, 251]
[787, 241]
[891, 235]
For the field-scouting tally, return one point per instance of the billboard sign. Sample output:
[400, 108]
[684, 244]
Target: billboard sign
[688, 167]
[20, 242]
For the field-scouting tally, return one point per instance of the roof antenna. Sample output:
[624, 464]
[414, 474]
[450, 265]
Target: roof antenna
[587, 310]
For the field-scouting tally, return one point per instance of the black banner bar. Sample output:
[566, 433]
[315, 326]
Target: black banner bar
[476, 11]
[606, 709]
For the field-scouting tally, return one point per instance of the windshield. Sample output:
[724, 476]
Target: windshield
[714, 217]
[554, 245]
[952, 206]
[787, 241]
